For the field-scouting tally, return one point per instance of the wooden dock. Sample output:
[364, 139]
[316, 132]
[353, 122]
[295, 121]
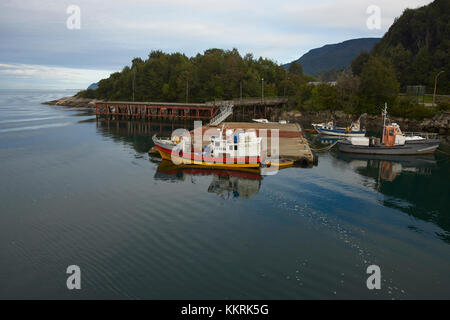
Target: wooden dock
[243, 108]
[142, 110]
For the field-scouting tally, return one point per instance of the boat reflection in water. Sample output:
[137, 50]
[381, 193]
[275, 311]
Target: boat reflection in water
[388, 168]
[244, 183]
[415, 185]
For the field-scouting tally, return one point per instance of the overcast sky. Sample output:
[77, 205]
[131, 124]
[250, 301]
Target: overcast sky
[37, 50]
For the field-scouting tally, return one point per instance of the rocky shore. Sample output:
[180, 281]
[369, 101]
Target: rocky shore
[440, 123]
[73, 102]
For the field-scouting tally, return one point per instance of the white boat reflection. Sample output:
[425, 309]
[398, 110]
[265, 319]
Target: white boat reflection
[244, 183]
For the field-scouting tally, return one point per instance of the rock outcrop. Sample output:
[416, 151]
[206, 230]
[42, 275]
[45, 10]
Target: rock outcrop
[439, 123]
[73, 102]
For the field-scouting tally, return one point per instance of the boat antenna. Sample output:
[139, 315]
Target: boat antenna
[384, 114]
[362, 115]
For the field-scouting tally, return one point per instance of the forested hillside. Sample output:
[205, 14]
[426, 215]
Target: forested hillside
[418, 47]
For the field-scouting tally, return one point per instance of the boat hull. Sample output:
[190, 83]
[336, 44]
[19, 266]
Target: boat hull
[428, 146]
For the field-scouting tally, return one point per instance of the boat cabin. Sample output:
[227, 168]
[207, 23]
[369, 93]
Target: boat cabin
[392, 135]
[231, 145]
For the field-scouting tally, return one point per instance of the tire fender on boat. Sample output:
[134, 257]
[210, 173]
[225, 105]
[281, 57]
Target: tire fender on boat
[303, 162]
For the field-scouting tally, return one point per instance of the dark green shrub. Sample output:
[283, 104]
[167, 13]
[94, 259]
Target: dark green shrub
[443, 106]
[405, 108]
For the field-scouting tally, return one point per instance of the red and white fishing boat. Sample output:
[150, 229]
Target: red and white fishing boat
[224, 150]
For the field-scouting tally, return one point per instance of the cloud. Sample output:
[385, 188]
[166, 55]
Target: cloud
[60, 77]
[113, 32]
[346, 14]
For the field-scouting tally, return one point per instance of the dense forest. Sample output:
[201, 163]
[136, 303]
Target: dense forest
[417, 46]
[215, 74]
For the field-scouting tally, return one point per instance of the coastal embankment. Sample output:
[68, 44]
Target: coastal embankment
[440, 123]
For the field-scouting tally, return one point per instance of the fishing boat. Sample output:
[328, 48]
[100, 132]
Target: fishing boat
[393, 142]
[261, 120]
[329, 128]
[224, 150]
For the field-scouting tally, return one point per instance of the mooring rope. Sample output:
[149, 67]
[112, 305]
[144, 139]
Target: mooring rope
[325, 148]
[443, 152]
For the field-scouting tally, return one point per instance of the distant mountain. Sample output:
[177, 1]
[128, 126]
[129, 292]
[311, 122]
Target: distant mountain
[334, 56]
[93, 86]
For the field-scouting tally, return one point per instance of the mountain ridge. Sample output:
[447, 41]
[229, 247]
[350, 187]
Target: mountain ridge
[334, 56]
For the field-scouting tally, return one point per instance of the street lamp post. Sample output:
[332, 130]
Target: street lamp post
[262, 89]
[285, 80]
[187, 90]
[134, 79]
[435, 86]
[241, 90]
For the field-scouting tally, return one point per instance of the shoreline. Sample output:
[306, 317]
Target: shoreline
[72, 102]
[439, 123]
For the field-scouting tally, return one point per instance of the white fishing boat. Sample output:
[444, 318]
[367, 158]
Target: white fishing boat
[261, 120]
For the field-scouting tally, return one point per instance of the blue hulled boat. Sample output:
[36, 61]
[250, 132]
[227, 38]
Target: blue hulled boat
[354, 130]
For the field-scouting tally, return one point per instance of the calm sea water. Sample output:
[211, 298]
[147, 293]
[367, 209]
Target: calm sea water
[75, 191]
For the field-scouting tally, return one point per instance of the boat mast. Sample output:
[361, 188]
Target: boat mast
[384, 121]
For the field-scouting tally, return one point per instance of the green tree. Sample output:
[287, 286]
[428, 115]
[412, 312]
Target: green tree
[348, 87]
[358, 63]
[378, 85]
[296, 68]
[324, 97]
